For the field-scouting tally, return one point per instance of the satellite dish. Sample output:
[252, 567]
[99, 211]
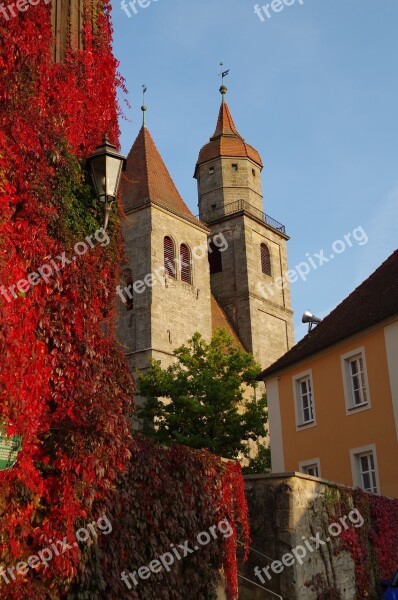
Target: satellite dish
[311, 319]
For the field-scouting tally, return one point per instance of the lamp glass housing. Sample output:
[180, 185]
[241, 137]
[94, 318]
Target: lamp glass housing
[106, 165]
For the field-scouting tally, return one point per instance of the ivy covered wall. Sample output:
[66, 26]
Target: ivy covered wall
[353, 536]
[64, 386]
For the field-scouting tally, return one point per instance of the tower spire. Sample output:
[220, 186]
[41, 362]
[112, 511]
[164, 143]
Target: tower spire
[223, 89]
[143, 107]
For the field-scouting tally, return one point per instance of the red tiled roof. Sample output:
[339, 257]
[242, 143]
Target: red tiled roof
[226, 141]
[146, 178]
[375, 300]
[219, 320]
[225, 123]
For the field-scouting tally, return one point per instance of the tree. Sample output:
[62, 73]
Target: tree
[198, 400]
[261, 463]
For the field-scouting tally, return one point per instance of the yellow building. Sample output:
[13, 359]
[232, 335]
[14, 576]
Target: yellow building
[333, 397]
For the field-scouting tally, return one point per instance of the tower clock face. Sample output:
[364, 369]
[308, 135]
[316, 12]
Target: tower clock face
[10, 447]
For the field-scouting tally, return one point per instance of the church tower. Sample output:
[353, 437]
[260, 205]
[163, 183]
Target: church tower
[164, 297]
[246, 278]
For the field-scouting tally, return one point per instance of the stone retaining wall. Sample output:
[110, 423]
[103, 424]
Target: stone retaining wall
[285, 510]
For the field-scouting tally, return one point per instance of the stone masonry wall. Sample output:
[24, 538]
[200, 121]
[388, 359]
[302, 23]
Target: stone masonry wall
[225, 184]
[263, 323]
[284, 510]
[179, 309]
[271, 311]
[169, 311]
[230, 286]
[134, 326]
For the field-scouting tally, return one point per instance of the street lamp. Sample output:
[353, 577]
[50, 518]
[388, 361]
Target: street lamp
[106, 165]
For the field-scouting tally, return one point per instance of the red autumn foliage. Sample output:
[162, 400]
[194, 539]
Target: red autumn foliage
[384, 534]
[64, 385]
[166, 497]
[372, 546]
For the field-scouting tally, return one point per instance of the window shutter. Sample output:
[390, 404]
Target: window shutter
[185, 259]
[169, 264]
[265, 260]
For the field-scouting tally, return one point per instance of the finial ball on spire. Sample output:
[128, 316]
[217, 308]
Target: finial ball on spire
[144, 109]
[223, 89]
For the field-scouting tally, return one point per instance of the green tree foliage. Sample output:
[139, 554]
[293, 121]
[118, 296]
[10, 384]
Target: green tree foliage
[261, 463]
[198, 400]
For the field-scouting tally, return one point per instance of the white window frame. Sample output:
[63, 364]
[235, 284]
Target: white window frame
[298, 405]
[355, 455]
[313, 462]
[346, 359]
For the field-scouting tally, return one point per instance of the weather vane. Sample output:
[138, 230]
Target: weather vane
[143, 107]
[223, 73]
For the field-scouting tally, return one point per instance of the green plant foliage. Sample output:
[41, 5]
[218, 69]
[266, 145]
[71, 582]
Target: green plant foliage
[79, 208]
[261, 463]
[204, 405]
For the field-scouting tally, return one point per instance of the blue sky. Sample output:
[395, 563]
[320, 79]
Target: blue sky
[314, 88]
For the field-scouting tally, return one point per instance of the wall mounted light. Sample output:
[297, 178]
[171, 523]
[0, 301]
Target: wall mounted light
[106, 165]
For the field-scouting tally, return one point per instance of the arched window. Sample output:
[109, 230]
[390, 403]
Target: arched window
[185, 262]
[215, 259]
[265, 260]
[169, 257]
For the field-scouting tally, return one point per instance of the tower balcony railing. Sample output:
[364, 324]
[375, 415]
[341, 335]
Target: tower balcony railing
[238, 206]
